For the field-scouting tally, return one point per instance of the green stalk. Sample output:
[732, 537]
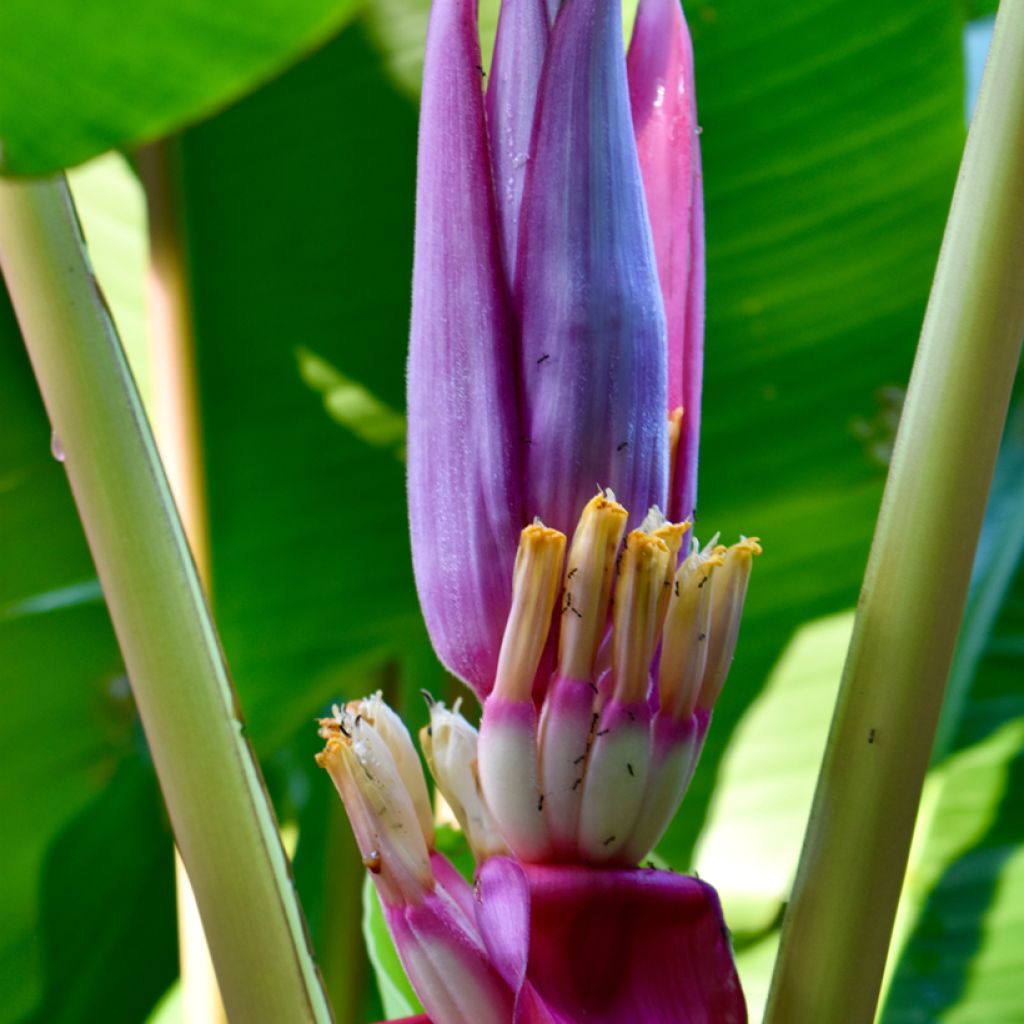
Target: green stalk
[837, 928]
[211, 783]
[178, 436]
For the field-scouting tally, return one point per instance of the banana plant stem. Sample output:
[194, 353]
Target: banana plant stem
[176, 428]
[837, 927]
[211, 783]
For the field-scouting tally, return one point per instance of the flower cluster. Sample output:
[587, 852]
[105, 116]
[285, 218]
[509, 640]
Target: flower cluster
[556, 344]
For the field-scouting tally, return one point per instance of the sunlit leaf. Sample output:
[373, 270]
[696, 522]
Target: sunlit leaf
[765, 787]
[84, 78]
[964, 957]
[767, 778]
[831, 139]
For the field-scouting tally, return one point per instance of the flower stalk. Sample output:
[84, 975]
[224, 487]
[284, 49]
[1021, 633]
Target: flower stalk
[211, 783]
[176, 429]
[837, 928]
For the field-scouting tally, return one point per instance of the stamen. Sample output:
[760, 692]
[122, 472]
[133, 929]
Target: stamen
[635, 618]
[588, 584]
[379, 807]
[728, 591]
[672, 534]
[535, 582]
[450, 747]
[390, 728]
[684, 641]
[654, 520]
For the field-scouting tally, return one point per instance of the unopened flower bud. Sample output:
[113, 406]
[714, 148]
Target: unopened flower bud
[380, 807]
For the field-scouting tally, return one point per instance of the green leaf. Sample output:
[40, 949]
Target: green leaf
[1000, 550]
[311, 565]
[169, 1009]
[350, 404]
[766, 781]
[964, 957]
[831, 136]
[980, 8]
[68, 716]
[961, 940]
[107, 917]
[85, 78]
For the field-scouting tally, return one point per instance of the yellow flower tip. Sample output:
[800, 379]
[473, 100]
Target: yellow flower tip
[330, 752]
[331, 729]
[537, 535]
[539, 558]
[638, 598]
[646, 546]
[672, 533]
[588, 580]
[536, 580]
[748, 545]
[604, 503]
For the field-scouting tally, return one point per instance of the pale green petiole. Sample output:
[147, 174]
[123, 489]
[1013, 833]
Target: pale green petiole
[222, 820]
[837, 928]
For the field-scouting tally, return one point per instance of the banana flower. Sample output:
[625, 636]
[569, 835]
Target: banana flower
[554, 401]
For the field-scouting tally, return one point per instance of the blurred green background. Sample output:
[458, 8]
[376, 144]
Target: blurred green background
[831, 134]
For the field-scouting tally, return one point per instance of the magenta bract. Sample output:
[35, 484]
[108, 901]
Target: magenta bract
[550, 256]
[664, 106]
[646, 945]
[593, 361]
[465, 448]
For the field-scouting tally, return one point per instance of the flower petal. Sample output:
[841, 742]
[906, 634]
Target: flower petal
[593, 332]
[503, 914]
[511, 102]
[456, 888]
[464, 473]
[447, 964]
[661, 87]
